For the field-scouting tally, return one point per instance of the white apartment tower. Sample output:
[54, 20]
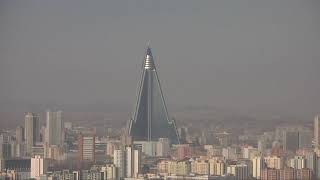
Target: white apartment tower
[39, 166]
[119, 162]
[127, 162]
[273, 162]
[257, 166]
[298, 162]
[133, 162]
[108, 172]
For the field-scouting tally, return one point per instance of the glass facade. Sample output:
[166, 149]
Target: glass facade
[151, 120]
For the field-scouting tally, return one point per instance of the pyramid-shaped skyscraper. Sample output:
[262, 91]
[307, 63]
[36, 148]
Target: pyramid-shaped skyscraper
[150, 120]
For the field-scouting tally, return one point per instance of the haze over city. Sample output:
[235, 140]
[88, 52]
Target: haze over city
[162, 90]
[247, 56]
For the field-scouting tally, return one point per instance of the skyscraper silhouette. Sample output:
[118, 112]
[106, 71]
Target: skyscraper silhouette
[151, 120]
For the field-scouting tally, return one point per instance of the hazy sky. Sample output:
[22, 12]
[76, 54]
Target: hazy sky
[241, 54]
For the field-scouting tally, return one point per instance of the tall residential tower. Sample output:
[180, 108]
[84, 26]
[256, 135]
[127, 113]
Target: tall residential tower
[54, 129]
[316, 131]
[31, 130]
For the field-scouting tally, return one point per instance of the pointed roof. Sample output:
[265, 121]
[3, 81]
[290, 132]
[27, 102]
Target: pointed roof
[151, 120]
[148, 60]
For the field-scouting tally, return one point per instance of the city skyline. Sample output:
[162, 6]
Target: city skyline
[227, 90]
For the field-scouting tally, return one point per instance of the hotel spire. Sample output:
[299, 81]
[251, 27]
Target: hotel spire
[151, 120]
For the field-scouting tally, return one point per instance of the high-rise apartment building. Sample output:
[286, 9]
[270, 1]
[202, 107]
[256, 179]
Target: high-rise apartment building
[39, 167]
[311, 161]
[133, 162]
[127, 162]
[240, 171]
[316, 131]
[163, 166]
[183, 131]
[54, 152]
[274, 162]
[19, 134]
[5, 151]
[249, 152]
[163, 147]
[287, 174]
[86, 150]
[229, 153]
[217, 168]
[181, 168]
[298, 162]
[290, 141]
[111, 146]
[200, 167]
[304, 174]
[183, 151]
[54, 129]
[257, 166]
[149, 148]
[32, 130]
[270, 174]
[119, 162]
[108, 172]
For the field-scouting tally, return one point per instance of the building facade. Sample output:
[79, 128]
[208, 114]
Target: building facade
[86, 148]
[316, 131]
[151, 120]
[39, 167]
[54, 129]
[32, 131]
